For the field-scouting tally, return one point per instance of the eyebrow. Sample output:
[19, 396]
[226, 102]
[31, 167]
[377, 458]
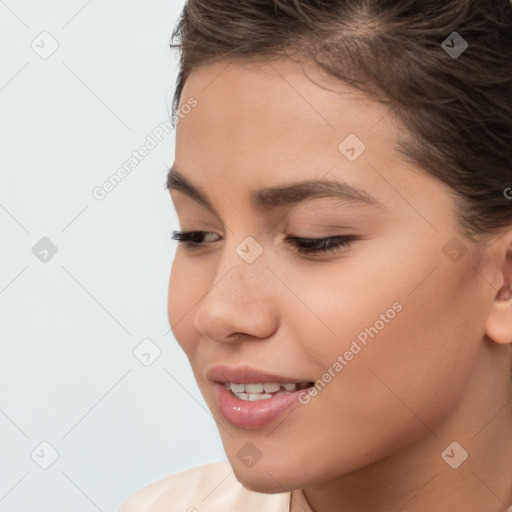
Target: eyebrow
[274, 197]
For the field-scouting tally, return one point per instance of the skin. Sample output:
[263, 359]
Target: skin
[438, 372]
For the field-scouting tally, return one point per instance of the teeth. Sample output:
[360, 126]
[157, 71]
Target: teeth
[252, 397]
[253, 388]
[260, 391]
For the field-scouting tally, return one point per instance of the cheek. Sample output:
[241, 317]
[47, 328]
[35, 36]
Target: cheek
[400, 334]
[333, 305]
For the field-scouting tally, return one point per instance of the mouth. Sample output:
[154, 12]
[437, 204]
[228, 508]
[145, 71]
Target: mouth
[263, 391]
[250, 398]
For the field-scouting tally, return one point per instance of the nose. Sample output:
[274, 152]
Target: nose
[240, 304]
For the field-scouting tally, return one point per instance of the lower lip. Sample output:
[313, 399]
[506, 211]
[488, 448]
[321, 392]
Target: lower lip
[253, 414]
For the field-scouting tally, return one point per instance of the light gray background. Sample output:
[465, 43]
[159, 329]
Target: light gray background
[69, 325]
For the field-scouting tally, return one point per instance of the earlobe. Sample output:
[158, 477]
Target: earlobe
[499, 320]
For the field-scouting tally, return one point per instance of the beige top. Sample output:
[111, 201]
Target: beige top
[210, 488]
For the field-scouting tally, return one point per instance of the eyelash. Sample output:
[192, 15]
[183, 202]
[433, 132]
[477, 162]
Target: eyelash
[308, 246]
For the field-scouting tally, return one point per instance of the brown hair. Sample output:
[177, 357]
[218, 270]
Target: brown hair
[457, 110]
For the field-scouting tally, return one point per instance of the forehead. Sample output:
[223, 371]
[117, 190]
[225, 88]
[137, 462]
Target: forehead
[272, 108]
[281, 87]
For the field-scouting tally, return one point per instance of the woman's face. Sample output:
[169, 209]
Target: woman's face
[401, 308]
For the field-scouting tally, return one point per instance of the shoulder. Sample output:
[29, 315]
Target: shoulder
[210, 487]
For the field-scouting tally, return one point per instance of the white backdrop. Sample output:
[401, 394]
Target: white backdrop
[88, 415]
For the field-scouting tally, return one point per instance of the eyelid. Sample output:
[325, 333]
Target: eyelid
[198, 225]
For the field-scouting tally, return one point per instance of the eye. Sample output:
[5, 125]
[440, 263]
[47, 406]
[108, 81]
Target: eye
[330, 245]
[308, 246]
[190, 238]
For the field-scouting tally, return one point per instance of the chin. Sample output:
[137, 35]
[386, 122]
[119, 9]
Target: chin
[264, 479]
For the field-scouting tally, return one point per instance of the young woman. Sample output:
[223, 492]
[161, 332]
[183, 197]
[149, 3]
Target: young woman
[342, 287]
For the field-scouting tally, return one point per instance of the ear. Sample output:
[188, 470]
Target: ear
[499, 320]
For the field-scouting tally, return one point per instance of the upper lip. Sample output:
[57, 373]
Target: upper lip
[247, 375]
